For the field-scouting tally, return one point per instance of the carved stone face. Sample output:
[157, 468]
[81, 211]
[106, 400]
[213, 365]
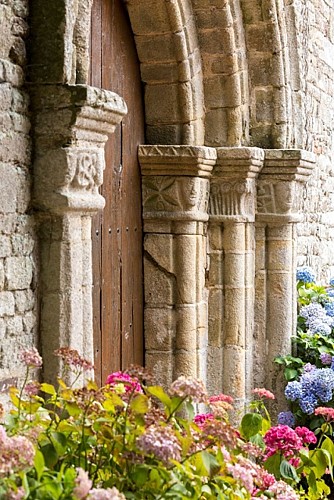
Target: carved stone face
[284, 193]
[188, 193]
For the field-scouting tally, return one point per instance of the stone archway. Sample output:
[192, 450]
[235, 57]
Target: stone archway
[174, 53]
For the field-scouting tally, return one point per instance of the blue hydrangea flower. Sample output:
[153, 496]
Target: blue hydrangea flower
[331, 281]
[286, 418]
[312, 387]
[330, 292]
[329, 308]
[308, 404]
[316, 318]
[293, 390]
[305, 274]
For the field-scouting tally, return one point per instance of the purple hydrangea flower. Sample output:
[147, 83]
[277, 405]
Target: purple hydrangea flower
[326, 358]
[308, 367]
[305, 274]
[286, 418]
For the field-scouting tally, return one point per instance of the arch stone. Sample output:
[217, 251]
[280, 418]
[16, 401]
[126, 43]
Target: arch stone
[171, 69]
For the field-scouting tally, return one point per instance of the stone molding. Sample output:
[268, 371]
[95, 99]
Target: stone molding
[233, 190]
[71, 128]
[175, 182]
[280, 184]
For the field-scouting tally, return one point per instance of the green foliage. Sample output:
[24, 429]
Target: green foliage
[110, 435]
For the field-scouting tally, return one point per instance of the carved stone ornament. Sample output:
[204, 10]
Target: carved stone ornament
[232, 198]
[277, 198]
[72, 127]
[280, 184]
[232, 192]
[175, 194]
[175, 183]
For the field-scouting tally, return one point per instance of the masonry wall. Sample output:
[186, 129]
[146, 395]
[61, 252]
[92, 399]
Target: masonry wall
[315, 31]
[17, 237]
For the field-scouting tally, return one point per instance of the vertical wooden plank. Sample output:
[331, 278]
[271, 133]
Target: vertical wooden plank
[121, 280]
[95, 80]
[133, 135]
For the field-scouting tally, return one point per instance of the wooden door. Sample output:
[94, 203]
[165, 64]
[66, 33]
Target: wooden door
[117, 231]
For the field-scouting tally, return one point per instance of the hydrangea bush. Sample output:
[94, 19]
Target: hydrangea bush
[133, 440]
[310, 371]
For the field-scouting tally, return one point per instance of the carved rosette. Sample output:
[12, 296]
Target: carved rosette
[233, 192]
[175, 183]
[281, 184]
[72, 127]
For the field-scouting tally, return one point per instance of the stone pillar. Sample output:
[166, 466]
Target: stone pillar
[231, 274]
[278, 199]
[175, 189]
[71, 127]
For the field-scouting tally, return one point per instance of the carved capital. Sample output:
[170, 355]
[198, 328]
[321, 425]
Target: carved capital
[280, 184]
[175, 181]
[71, 128]
[232, 191]
[180, 198]
[177, 160]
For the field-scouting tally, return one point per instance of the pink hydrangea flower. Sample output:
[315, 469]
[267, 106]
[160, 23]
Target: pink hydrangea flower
[107, 494]
[161, 442]
[17, 453]
[306, 435]
[83, 484]
[187, 387]
[131, 384]
[221, 398]
[243, 474]
[327, 413]
[202, 417]
[31, 358]
[283, 439]
[263, 393]
[72, 358]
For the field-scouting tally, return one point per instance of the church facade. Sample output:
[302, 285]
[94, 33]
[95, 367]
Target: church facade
[165, 166]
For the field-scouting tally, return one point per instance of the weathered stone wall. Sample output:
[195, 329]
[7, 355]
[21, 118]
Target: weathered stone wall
[17, 239]
[234, 74]
[315, 29]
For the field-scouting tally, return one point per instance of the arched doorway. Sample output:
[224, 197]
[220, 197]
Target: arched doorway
[117, 231]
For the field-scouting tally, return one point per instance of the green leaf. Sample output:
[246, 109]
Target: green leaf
[190, 410]
[210, 463]
[288, 471]
[206, 489]
[59, 441]
[39, 464]
[140, 476]
[272, 465]
[48, 389]
[50, 455]
[73, 409]
[139, 404]
[251, 424]
[319, 461]
[159, 393]
[290, 374]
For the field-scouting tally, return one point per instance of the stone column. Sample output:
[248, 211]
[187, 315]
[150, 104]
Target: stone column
[175, 197]
[231, 274]
[279, 189]
[71, 127]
